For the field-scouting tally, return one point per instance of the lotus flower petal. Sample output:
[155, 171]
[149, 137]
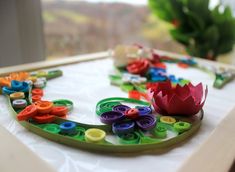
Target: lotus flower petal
[203, 101]
[178, 106]
[181, 100]
[161, 103]
[182, 91]
[164, 87]
[196, 92]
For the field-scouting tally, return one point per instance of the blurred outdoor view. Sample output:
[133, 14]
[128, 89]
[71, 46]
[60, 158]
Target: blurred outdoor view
[74, 27]
[78, 27]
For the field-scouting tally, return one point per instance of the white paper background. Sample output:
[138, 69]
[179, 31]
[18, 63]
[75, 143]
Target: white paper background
[87, 83]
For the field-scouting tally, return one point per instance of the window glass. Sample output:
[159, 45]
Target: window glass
[74, 27]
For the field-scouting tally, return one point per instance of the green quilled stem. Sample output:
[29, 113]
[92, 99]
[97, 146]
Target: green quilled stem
[134, 143]
[149, 145]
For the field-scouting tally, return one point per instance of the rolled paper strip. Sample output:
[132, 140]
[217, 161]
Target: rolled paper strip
[160, 66]
[41, 74]
[121, 108]
[33, 74]
[64, 117]
[39, 84]
[167, 120]
[27, 113]
[19, 103]
[183, 65]
[183, 82]
[36, 98]
[44, 79]
[139, 66]
[29, 82]
[137, 80]
[132, 113]
[16, 85]
[54, 73]
[160, 132]
[134, 79]
[59, 110]
[68, 128]
[158, 78]
[181, 127]
[156, 71]
[25, 87]
[143, 80]
[125, 78]
[144, 110]
[106, 106]
[7, 90]
[17, 95]
[134, 94]
[129, 138]
[123, 127]
[44, 118]
[190, 61]
[173, 78]
[127, 87]
[44, 107]
[146, 122]
[64, 102]
[111, 117]
[18, 76]
[80, 134]
[151, 85]
[52, 128]
[32, 78]
[37, 91]
[115, 80]
[145, 96]
[146, 139]
[4, 82]
[94, 135]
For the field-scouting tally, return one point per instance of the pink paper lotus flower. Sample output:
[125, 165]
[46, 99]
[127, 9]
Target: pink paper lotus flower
[180, 100]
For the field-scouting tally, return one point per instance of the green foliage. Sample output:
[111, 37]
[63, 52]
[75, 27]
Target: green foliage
[203, 31]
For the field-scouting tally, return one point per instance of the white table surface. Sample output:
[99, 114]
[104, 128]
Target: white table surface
[87, 83]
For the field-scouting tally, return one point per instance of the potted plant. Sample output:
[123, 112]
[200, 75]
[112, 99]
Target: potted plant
[204, 32]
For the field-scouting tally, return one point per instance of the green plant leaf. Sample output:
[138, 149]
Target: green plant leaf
[204, 31]
[195, 21]
[162, 9]
[199, 7]
[228, 12]
[180, 37]
[211, 35]
[225, 47]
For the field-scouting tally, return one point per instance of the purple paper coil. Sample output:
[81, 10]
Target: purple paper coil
[121, 108]
[111, 116]
[146, 122]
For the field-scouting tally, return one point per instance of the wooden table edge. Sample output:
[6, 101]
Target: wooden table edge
[90, 57]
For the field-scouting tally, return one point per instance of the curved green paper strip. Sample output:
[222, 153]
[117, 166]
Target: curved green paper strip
[107, 147]
[64, 102]
[130, 138]
[115, 101]
[145, 143]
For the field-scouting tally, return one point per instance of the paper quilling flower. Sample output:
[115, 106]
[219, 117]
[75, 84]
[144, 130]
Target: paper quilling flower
[139, 66]
[179, 100]
[125, 119]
